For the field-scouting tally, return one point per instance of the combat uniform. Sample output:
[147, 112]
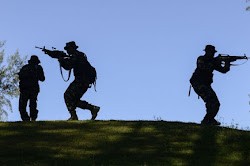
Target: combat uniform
[29, 76]
[79, 63]
[201, 81]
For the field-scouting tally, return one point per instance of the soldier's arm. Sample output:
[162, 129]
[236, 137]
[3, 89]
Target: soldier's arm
[222, 69]
[66, 63]
[41, 76]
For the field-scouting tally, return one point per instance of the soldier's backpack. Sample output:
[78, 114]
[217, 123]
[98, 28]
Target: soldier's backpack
[92, 75]
[91, 72]
[28, 77]
[27, 72]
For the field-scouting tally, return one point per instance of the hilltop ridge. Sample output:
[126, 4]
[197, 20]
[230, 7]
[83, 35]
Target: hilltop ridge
[121, 143]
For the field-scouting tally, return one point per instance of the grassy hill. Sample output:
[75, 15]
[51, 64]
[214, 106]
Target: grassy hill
[59, 143]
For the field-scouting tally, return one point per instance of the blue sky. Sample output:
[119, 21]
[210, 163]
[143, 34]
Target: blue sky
[144, 51]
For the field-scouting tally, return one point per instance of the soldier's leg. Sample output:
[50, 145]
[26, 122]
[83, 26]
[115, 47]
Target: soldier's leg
[33, 106]
[85, 105]
[212, 105]
[211, 100]
[23, 99]
[71, 97]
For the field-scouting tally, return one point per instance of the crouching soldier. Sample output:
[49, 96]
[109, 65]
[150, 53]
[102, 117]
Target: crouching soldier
[85, 76]
[29, 76]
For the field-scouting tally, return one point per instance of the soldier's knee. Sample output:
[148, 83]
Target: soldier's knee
[216, 103]
[213, 104]
[66, 96]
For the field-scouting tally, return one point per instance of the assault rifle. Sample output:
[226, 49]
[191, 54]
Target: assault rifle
[226, 57]
[58, 55]
[53, 53]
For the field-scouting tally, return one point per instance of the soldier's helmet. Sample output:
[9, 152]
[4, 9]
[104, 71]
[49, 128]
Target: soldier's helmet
[210, 48]
[34, 60]
[71, 44]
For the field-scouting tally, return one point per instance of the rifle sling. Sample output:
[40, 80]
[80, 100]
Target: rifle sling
[62, 73]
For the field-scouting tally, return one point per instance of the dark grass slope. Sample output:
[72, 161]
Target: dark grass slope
[60, 143]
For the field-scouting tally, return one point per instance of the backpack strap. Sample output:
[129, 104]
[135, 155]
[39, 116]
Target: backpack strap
[189, 90]
[95, 85]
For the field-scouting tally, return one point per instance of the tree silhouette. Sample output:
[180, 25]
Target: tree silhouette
[9, 67]
[248, 8]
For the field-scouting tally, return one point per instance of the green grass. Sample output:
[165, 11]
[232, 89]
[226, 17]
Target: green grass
[59, 143]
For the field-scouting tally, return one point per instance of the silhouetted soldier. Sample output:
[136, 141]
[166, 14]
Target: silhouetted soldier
[80, 65]
[202, 79]
[29, 76]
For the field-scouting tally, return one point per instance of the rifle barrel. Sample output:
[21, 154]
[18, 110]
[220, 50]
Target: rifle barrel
[38, 47]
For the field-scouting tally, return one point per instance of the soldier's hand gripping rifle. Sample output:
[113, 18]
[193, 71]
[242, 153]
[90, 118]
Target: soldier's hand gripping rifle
[53, 53]
[226, 57]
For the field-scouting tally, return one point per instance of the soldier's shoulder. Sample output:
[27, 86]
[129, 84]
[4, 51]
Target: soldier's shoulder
[25, 66]
[39, 66]
[81, 55]
[201, 59]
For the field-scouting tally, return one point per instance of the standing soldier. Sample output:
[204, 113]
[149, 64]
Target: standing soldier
[84, 76]
[202, 79]
[29, 76]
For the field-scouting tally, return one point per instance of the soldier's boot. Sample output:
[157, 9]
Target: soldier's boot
[212, 110]
[93, 109]
[210, 121]
[25, 117]
[214, 122]
[33, 119]
[33, 115]
[205, 120]
[73, 115]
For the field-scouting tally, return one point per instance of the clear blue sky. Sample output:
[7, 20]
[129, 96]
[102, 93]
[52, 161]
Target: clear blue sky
[144, 51]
